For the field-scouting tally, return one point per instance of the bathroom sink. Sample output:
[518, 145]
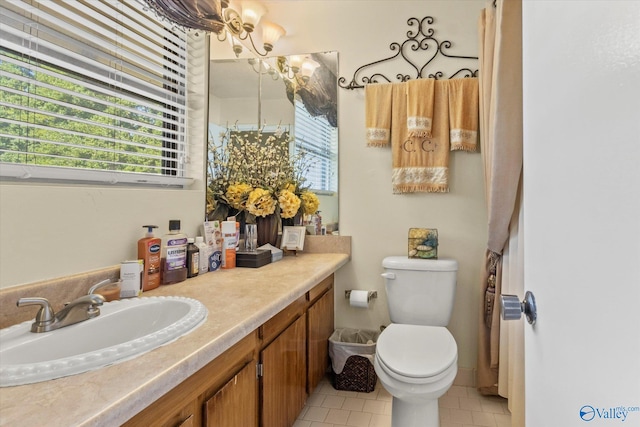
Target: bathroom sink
[124, 329]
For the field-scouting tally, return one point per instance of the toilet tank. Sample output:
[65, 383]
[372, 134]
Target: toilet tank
[420, 291]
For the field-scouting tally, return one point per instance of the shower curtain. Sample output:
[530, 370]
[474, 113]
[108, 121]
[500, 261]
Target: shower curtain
[501, 351]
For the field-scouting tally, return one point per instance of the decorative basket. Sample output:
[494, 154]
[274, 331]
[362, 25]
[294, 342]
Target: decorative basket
[358, 375]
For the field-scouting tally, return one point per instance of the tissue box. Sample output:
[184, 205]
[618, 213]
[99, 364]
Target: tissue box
[253, 259]
[423, 243]
[276, 254]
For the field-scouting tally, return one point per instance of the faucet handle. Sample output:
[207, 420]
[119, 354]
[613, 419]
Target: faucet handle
[45, 314]
[93, 300]
[98, 285]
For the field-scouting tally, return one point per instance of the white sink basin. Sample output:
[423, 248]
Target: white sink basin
[124, 329]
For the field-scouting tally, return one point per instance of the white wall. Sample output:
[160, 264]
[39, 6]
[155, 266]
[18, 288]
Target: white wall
[51, 231]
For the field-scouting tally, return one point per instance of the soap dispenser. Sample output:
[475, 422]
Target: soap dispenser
[149, 251]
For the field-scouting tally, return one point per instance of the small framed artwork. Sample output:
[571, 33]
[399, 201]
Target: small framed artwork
[293, 238]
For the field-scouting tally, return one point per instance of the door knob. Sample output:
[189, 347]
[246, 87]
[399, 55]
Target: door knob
[512, 308]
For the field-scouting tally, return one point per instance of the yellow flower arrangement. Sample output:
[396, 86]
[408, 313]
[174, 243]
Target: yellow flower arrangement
[261, 203]
[237, 195]
[289, 204]
[254, 173]
[310, 202]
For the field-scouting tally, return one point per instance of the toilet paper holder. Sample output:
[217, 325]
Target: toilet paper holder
[370, 294]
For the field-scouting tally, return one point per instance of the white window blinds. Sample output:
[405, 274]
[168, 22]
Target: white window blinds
[91, 90]
[315, 136]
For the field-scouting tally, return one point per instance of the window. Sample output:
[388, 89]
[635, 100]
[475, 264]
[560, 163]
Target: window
[315, 136]
[91, 90]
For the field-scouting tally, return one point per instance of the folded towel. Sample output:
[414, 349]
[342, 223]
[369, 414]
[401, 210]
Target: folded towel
[421, 164]
[463, 113]
[378, 114]
[420, 107]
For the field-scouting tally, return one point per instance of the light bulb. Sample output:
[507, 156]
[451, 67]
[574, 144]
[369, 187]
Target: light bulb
[271, 33]
[252, 11]
[307, 69]
[295, 62]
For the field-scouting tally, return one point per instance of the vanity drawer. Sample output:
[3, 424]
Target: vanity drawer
[318, 290]
[278, 323]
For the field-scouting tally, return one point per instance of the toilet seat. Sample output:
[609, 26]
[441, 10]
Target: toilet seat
[416, 353]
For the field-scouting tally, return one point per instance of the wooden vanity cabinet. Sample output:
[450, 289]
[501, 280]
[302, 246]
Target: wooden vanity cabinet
[283, 380]
[320, 326]
[236, 403]
[295, 354]
[196, 400]
[263, 380]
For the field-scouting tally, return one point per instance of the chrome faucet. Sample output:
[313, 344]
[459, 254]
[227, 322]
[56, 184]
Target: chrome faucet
[84, 308]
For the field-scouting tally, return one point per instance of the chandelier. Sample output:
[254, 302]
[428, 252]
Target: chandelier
[216, 16]
[241, 26]
[298, 69]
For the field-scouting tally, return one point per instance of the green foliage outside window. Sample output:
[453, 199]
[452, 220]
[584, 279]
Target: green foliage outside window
[58, 119]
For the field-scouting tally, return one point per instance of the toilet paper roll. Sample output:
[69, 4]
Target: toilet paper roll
[359, 299]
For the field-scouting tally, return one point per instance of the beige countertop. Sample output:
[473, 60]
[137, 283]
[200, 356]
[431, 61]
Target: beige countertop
[238, 301]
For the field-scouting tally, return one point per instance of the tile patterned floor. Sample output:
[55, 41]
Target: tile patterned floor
[459, 407]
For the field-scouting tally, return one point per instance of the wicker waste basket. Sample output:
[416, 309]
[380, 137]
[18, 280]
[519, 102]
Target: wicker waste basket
[352, 352]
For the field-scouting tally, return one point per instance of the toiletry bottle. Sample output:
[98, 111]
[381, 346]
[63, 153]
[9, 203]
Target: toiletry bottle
[149, 251]
[193, 258]
[203, 261]
[213, 240]
[318, 223]
[228, 244]
[233, 219]
[174, 255]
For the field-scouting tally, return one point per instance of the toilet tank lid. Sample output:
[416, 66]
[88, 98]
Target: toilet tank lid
[406, 263]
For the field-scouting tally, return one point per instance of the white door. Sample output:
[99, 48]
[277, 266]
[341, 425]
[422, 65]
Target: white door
[582, 211]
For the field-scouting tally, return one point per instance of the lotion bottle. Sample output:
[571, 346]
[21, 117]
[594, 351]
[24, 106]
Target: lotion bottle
[149, 251]
[174, 255]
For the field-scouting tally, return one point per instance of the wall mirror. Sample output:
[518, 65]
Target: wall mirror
[293, 98]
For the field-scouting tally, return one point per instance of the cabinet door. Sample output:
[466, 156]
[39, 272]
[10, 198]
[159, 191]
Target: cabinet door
[320, 329]
[188, 422]
[284, 376]
[236, 403]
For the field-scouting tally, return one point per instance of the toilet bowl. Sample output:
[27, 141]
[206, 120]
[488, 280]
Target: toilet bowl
[416, 364]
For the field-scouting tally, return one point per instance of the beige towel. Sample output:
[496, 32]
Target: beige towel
[378, 114]
[421, 164]
[463, 113]
[420, 107]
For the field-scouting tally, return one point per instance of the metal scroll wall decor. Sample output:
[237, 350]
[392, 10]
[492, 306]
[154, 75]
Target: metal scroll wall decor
[422, 42]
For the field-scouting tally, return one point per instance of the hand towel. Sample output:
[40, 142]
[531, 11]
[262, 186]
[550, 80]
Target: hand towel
[420, 107]
[378, 114]
[463, 113]
[421, 164]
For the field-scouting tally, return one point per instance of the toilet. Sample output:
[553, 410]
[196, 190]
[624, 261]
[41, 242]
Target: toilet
[416, 356]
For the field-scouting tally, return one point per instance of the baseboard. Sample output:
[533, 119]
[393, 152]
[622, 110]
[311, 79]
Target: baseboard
[466, 377]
